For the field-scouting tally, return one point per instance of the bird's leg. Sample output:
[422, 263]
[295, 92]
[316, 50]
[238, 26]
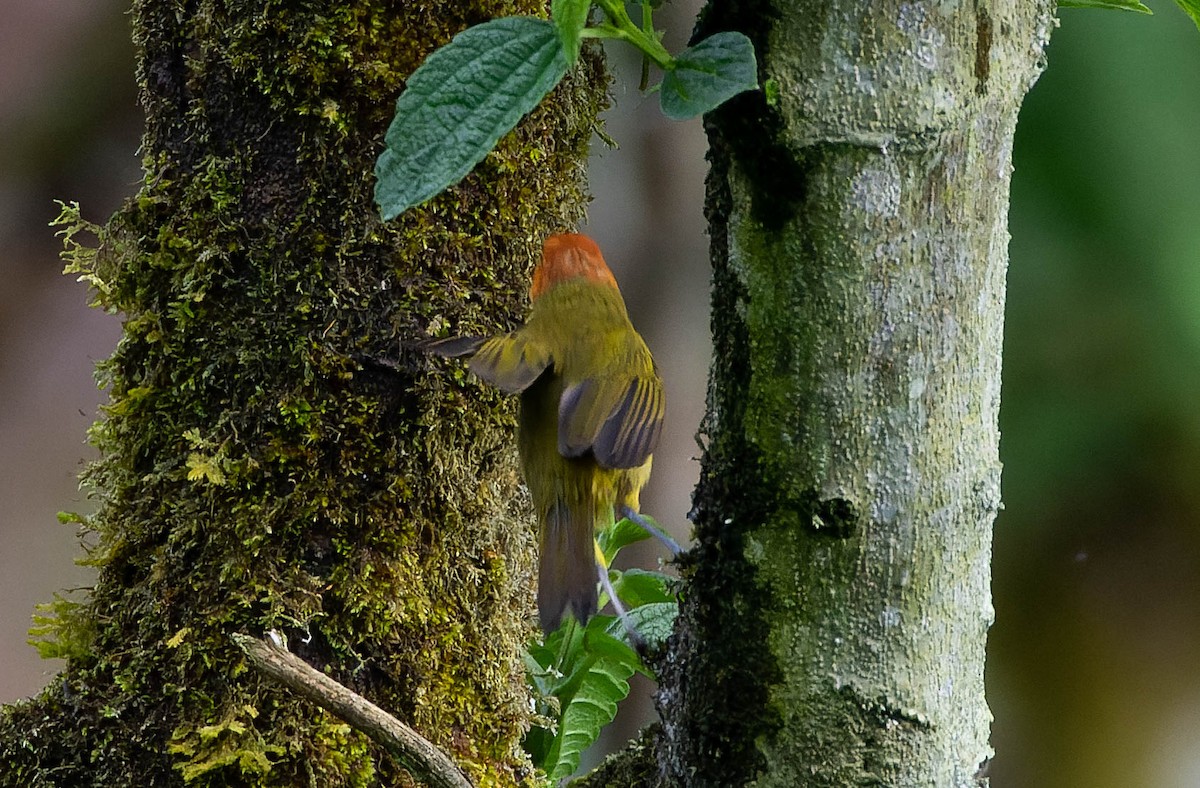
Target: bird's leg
[635, 639]
[649, 528]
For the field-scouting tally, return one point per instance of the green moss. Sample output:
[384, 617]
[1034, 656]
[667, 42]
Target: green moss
[257, 473]
[62, 629]
[232, 745]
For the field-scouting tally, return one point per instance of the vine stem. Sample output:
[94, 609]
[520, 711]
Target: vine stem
[622, 27]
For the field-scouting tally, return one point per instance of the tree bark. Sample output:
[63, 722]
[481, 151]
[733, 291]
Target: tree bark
[258, 471]
[836, 607]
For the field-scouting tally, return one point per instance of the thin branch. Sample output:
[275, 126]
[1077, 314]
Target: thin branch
[414, 752]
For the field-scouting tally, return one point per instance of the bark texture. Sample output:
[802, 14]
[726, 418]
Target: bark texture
[258, 472]
[836, 607]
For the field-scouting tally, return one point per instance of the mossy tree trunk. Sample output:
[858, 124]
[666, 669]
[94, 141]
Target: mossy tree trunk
[836, 606]
[257, 473]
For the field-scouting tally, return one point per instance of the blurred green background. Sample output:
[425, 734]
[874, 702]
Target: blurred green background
[1094, 669]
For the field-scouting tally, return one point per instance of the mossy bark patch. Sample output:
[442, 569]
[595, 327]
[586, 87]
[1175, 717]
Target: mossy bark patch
[258, 471]
[834, 612]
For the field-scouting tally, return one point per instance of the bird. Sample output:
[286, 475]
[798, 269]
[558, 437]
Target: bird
[591, 415]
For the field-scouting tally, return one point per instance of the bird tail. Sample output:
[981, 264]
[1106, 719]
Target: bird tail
[567, 566]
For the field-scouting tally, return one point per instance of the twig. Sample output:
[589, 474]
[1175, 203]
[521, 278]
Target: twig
[414, 752]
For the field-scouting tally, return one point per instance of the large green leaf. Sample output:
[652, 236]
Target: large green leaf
[580, 675]
[589, 701]
[460, 102]
[708, 74]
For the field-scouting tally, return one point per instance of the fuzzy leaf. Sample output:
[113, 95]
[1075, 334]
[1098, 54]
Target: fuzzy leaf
[653, 622]
[708, 74]
[570, 17]
[460, 102]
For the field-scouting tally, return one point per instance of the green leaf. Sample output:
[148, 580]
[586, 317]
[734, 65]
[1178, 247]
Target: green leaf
[1192, 8]
[1115, 5]
[708, 74]
[538, 659]
[580, 693]
[580, 673]
[599, 643]
[619, 534]
[460, 102]
[637, 587]
[537, 743]
[653, 622]
[603, 683]
[570, 17]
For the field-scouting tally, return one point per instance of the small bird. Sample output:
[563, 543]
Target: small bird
[591, 413]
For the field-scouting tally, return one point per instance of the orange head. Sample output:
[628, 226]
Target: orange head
[569, 256]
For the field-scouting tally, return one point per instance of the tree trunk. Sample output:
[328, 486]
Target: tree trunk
[258, 471]
[836, 607]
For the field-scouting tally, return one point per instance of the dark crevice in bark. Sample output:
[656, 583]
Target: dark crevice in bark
[714, 689]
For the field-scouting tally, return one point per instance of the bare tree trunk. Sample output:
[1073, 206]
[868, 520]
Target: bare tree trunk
[257, 473]
[836, 608]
